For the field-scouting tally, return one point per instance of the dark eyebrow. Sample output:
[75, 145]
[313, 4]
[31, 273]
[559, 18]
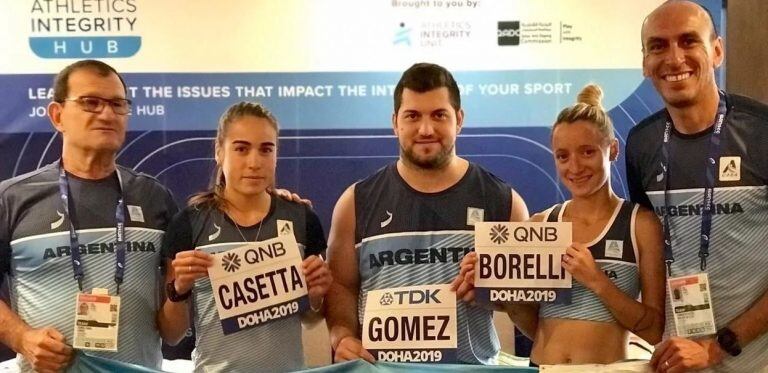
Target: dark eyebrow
[654, 39]
[267, 143]
[241, 142]
[691, 34]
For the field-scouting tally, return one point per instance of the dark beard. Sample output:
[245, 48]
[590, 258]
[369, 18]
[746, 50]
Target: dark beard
[436, 162]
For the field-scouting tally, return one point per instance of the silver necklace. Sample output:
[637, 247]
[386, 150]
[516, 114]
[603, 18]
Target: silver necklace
[237, 226]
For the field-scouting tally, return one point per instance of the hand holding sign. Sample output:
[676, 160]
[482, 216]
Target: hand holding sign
[464, 284]
[578, 261]
[319, 279]
[351, 348]
[189, 266]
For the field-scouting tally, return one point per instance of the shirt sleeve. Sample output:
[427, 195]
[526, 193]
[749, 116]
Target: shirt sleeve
[634, 176]
[178, 235]
[315, 236]
[5, 241]
[171, 207]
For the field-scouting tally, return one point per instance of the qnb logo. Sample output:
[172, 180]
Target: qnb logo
[499, 234]
[230, 262]
[508, 33]
[386, 299]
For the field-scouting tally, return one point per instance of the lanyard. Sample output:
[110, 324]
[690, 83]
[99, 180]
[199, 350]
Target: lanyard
[74, 242]
[709, 187]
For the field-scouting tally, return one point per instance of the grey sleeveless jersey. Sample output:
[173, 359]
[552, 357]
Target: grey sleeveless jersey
[405, 238]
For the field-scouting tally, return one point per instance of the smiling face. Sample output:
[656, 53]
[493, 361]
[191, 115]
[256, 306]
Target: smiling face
[680, 53]
[426, 126]
[583, 157]
[100, 132]
[248, 156]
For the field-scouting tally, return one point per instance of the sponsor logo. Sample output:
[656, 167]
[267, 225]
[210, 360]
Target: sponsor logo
[429, 34]
[730, 168]
[135, 213]
[79, 29]
[614, 248]
[402, 35]
[387, 220]
[499, 234]
[475, 215]
[58, 222]
[215, 234]
[410, 297]
[508, 33]
[660, 175]
[285, 227]
[230, 262]
[386, 299]
[515, 33]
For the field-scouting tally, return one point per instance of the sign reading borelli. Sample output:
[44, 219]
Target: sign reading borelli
[522, 262]
[258, 283]
[415, 324]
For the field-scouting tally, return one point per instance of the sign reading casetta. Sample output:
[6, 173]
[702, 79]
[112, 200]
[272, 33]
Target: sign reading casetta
[258, 283]
[522, 262]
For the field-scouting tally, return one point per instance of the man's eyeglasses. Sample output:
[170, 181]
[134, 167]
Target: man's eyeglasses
[93, 104]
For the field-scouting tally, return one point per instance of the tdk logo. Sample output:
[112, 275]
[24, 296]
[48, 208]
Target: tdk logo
[416, 296]
[386, 299]
[509, 33]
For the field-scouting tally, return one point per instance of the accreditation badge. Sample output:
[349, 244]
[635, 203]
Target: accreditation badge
[691, 303]
[414, 324]
[522, 262]
[258, 283]
[97, 317]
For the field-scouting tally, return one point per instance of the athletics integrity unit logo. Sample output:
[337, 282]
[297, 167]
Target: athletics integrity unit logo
[84, 29]
[230, 262]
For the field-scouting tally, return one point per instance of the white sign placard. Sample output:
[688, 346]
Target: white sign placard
[522, 262]
[415, 324]
[258, 283]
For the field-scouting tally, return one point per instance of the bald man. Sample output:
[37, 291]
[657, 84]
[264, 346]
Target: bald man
[702, 164]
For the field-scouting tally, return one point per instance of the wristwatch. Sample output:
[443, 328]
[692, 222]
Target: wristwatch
[173, 296]
[727, 340]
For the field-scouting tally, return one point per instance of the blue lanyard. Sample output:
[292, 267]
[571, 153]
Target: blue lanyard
[709, 187]
[74, 242]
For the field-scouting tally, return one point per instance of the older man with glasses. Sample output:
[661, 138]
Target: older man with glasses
[83, 231]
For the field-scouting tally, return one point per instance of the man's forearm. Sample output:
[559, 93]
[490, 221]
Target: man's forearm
[753, 323]
[173, 321]
[341, 314]
[12, 327]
